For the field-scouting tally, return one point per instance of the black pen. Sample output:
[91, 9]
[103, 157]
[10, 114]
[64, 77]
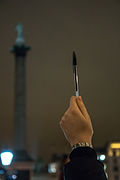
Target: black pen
[75, 74]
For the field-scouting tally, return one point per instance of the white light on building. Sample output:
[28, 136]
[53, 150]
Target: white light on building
[52, 167]
[102, 157]
[14, 176]
[6, 158]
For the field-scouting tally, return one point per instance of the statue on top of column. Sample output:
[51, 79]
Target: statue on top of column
[20, 37]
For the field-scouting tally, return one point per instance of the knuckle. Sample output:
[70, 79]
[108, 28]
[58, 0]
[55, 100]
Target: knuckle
[73, 111]
[61, 124]
[62, 121]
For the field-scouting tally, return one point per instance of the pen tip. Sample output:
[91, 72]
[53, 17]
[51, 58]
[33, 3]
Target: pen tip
[74, 59]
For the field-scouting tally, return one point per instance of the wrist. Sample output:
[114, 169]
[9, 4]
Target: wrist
[81, 140]
[82, 144]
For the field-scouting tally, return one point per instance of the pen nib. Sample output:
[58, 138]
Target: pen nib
[74, 59]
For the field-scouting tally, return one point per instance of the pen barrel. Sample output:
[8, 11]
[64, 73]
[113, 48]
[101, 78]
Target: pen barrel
[76, 80]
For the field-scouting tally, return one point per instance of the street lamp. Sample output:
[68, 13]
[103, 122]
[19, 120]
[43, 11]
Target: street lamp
[6, 158]
[102, 157]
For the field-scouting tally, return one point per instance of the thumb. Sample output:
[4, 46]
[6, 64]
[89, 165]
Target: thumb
[82, 107]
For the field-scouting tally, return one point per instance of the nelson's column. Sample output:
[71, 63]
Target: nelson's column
[20, 51]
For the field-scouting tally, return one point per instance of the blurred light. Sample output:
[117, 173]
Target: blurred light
[52, 168]
[102, 157]
[117, 152]
[110, 153]
[2, 172]
[106, 175]
[14, 176]
[105, 167]
[115, 146]
[6, 158]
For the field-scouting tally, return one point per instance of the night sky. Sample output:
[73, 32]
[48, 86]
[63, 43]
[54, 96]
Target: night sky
[54, 29]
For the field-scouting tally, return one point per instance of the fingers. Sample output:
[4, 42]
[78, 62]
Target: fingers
[74, 105]
[82, 107]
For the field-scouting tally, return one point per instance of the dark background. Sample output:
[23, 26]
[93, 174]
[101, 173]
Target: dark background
[54, 29]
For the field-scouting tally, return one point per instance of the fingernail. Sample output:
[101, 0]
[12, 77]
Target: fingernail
[80, 98]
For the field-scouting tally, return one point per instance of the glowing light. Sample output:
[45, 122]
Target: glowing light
[2, 172]
[6, 158]
[52, 168]
[115, 146]
[14, 176]
[105, 167]
[117, 152]
[102, 157]
[110, 153]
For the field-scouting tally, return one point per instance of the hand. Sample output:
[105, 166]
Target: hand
[76, 123]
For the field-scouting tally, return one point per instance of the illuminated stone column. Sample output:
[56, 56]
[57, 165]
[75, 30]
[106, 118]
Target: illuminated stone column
[20, 51]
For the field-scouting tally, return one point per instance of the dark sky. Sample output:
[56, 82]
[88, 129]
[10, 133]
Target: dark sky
[54, 29]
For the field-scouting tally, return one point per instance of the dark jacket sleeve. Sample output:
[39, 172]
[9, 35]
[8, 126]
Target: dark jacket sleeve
[84, 165]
